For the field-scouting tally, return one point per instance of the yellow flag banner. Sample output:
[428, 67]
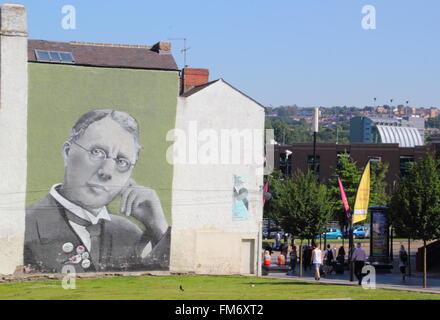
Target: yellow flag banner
[362, 196]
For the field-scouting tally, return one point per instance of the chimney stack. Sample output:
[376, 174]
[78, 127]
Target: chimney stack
[162, 47]
[193, 77]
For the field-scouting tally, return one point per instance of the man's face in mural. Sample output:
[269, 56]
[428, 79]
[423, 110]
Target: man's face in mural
[99, 164]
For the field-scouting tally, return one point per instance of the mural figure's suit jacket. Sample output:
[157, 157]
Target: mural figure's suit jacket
[121, 242]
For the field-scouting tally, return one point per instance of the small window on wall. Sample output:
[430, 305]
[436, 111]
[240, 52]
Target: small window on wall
[286, 163]
[405, 164]
[374, 159]
[310, 163]
[339, 156]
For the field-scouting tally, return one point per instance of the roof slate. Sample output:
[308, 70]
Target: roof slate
[107, 55]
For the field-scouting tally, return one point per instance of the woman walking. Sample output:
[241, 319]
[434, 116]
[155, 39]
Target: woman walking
[316, 260]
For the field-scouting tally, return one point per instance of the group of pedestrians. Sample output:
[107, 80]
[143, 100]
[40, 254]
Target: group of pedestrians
[325, 262]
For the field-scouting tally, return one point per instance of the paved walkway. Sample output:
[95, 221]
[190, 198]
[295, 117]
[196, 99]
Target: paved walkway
[383, 281]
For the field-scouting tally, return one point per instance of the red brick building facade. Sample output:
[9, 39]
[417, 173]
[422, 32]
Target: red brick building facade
[327, 157]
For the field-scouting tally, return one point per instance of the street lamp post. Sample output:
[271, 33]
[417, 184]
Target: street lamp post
[351, 249]
[391, 108]
[288, 153]
[315, 132]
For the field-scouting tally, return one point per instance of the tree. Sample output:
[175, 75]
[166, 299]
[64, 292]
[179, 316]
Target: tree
[271, 207]
[415, 205]
[302, 205]
[378, 193]
[350, 176]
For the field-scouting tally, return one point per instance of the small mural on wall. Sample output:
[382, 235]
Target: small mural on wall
[73, 225]
[240, 210]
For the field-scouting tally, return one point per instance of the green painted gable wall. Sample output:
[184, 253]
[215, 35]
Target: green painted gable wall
[59, 94]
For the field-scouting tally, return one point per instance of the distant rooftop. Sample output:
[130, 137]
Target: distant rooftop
[157, 56]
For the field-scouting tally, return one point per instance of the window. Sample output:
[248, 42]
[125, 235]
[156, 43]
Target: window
[310, 163]
[405, 163]
[42, 55]
[375, 158]
[54, 56]
[67, 57]
[339, 156]
[286, 163]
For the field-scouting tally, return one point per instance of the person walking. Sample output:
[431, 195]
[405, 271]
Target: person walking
[316, 260]
[328, 258]
[281, 259]
[293, 258]
[340, 261]
[341, 254]
[266, 262]
[285, 248]
[277, 241]
[306, 257]
[359, 258]
[403, 261]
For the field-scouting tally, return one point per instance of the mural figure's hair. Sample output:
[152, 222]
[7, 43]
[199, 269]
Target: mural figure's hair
[125, 120]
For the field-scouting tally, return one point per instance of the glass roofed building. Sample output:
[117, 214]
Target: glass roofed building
[406, 132]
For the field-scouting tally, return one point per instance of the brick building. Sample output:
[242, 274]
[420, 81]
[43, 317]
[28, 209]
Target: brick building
[327, 157]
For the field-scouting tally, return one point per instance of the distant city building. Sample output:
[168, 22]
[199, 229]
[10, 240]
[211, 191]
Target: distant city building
[407, 132]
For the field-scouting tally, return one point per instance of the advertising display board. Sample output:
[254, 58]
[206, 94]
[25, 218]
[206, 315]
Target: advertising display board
[379, 251]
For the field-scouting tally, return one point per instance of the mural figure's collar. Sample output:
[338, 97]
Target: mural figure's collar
[82, 213]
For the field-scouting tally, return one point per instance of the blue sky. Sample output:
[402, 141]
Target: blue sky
[308, 52]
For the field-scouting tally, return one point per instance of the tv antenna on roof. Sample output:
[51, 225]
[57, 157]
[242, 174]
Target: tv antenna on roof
[184, 50]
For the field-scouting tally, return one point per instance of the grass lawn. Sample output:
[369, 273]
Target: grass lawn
[196, 288]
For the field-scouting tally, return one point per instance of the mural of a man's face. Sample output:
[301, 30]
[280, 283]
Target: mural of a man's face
[94, 183]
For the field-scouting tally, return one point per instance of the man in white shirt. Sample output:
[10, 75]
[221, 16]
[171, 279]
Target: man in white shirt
[359, 258]
[71, 226]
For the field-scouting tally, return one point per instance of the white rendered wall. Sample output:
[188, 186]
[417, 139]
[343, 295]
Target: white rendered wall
[205, 239]
[13, 135]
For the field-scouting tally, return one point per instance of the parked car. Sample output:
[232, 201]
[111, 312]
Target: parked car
[367, 233]
[332, 233]
[361, 232]
[274, 233]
